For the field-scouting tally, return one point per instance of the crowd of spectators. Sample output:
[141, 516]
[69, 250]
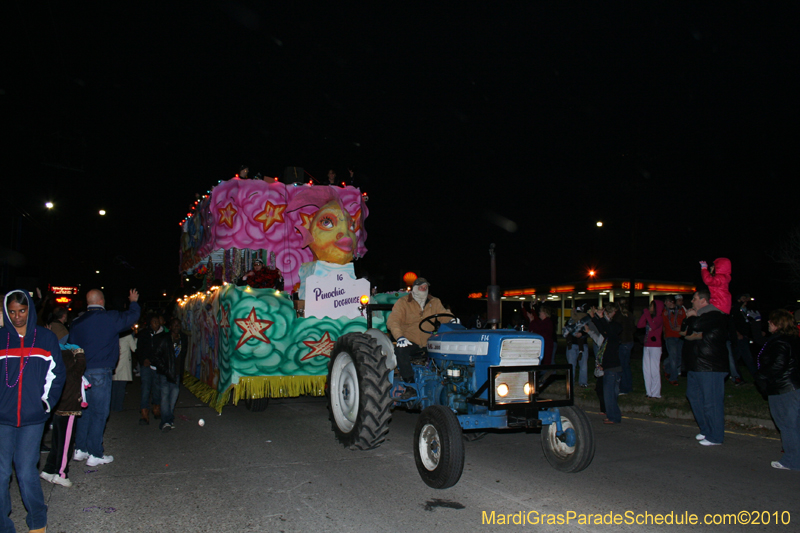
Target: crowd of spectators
[75, 373]
[709, 342]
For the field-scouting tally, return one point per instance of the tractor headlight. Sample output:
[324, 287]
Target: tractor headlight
[512, 385]
[502, 390]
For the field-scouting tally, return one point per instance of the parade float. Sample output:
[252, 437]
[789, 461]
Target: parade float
[279, 287]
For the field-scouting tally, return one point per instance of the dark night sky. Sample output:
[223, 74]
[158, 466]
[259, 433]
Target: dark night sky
[670, 121]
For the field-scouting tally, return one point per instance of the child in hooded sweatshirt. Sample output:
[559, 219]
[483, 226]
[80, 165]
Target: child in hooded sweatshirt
[718, 277]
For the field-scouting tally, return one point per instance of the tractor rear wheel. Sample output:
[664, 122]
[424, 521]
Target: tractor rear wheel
[359, 392]
[438, 447]
[574, 449]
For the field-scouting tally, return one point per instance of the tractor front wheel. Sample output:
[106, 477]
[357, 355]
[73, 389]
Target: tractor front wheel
[438, 447]
[573, 450]
[359, 392]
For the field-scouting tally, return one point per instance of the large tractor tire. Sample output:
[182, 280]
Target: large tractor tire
[438, 447]
[574, 449]
[256, 405]
[359, 392]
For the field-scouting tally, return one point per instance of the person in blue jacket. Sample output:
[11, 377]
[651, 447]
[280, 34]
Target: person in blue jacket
[97, 332]
[33, 376]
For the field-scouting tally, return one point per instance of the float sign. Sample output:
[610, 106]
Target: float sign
[334, 295]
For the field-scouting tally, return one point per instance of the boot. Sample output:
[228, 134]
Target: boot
[145, 420]
[156, 411]
[40, 530]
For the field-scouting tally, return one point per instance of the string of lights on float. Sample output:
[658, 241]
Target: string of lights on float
[236, 176]
[202, 294]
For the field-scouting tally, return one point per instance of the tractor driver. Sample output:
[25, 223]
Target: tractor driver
[403, 323]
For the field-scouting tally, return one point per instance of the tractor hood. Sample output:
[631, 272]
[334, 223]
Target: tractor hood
[493, 347]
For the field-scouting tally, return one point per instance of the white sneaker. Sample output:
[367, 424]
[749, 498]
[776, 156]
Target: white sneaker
[80, 455]
[57, 479]
[779, 466]
[94, 461]
[704, 442]
[700, 436]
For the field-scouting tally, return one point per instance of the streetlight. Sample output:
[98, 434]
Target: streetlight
[599, 223]
[102, 212]
[592, 273]
[49, 205]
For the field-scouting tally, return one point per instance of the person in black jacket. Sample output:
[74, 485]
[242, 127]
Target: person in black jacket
[169, 360]
[612, 368]
[708, 366]
[778, 379]
[146, 344]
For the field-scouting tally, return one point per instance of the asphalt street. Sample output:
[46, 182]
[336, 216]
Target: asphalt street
[282, 470]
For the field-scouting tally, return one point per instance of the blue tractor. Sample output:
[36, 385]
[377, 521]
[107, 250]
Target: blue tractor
[473, 381]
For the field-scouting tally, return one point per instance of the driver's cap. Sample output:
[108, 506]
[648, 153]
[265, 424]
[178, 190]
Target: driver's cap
[421, 281]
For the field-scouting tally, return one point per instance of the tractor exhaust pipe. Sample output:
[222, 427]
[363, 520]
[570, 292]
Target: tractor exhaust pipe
[494, 313]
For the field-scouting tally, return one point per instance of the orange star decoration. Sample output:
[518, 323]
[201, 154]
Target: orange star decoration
[320, 348]
[226, 214]
[357, 221]
[225, 322]
[252, 328]
[305, 220]
[270, 215]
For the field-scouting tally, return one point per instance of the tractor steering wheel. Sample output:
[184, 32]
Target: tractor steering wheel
[432, 321]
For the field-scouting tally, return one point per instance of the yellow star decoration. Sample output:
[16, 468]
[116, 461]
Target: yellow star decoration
[226, 214]
[320, 348]
[252, 328]
[225, 322]
[270, 215]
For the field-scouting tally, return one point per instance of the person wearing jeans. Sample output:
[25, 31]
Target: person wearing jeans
[778, 379]
[146, 348]
[97, 332]
[673, 316]
[20, 446]
[169, 359]
[92, 424]
[573, 352]
[577, 343]
[611, 380]
[33, 378]
[706, 393]
[626, 376]
[625, 346]
[151, 393]
[708, 365]
[610, 329]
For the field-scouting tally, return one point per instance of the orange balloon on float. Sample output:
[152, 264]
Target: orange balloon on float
[409, 278]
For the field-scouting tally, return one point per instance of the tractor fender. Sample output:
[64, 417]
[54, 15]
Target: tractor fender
[386, 346]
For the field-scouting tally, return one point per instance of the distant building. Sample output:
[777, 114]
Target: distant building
[595, 291]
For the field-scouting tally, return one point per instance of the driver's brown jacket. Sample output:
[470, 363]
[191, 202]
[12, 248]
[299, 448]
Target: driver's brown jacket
[407, 314]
